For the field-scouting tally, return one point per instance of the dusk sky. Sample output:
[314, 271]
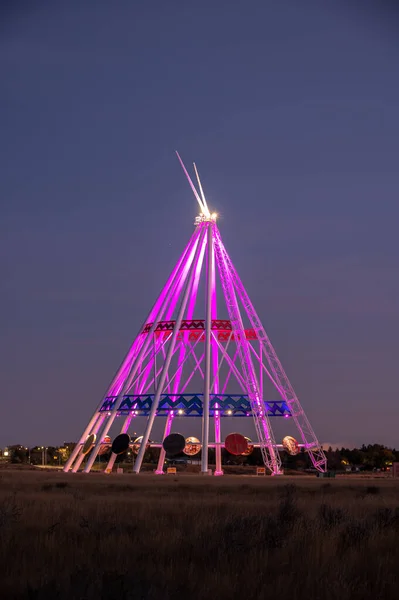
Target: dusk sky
[290, 110]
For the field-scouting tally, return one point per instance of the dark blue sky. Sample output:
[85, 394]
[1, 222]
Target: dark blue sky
[289, 108]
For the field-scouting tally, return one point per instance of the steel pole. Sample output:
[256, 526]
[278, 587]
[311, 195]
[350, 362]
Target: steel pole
[183, 351]
[208, 365]
[138, 360]
[95, 430]
[131, 353]
[168, 358]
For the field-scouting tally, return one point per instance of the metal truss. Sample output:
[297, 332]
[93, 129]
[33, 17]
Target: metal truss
[174, 355]
[267, 443]
[278, 375]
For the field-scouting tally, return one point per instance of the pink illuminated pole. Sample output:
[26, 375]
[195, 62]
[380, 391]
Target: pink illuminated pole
[130, 358]
[124, 429]
[215, 364]
[208, 337]
[136, 365]
[183, 350]
[159, 343]
[210, 307]
[263, 428]
[174, 293]
[95, 431]
[124, 369]
[276, 372]
[162, 379]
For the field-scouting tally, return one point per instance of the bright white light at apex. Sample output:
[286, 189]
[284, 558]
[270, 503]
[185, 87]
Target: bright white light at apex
[204, 217]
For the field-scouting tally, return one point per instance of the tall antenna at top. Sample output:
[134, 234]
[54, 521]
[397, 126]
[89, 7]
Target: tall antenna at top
[201, 190]
[203, 206]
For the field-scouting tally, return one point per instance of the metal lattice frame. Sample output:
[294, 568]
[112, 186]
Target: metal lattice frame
[271, 457]
[171, 352]
[278, 377]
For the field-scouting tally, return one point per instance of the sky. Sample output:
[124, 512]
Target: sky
[289, 110]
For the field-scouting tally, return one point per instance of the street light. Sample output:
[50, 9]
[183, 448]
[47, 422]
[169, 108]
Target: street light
[44, 448]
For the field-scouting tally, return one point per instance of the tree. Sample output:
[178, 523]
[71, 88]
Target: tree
[17, 454]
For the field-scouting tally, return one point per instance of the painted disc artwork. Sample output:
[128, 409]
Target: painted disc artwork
[105, 446]
[137, 444]
[192, 447]
[290, 445]
[236, 444]
[89, 443]
[121, 443]
[174, 443]
[249, 449]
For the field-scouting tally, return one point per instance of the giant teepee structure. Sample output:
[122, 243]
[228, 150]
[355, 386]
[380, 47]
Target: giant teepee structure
[185, 362]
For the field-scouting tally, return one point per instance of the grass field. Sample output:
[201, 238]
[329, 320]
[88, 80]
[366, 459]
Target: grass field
[128, 537]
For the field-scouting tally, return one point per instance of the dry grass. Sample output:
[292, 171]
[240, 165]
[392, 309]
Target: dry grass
[119, 536]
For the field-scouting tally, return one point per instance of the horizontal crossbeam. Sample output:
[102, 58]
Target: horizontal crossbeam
[195, 329]
[190, 405]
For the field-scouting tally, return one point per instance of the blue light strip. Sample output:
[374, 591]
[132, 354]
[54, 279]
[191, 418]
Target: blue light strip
[190, 405]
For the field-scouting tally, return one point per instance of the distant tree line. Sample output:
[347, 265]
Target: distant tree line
[37, 455]
[366, 458]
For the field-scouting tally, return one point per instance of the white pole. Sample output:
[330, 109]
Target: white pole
[138, 360]
[151, 317]
[86, 432]
[81, 456]
[183, 354]
[208, 366]
[168, 358]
